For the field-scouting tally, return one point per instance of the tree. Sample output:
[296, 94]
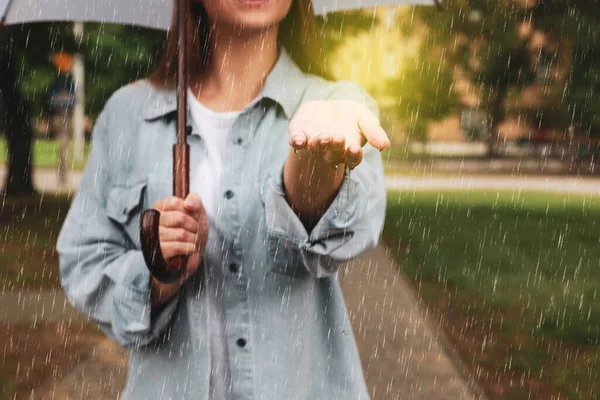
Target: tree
[17, 131]
[575, 26]
[485, 43]
[491, 44]
[115, 55]
[17, 113]
[424, 91]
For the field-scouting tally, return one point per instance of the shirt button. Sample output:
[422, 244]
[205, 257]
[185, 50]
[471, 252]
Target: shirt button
[239, 140]
[228, 194]
[234, 268]
[241, 342]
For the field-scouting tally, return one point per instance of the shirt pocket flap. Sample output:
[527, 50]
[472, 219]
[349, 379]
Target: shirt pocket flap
[123, 201]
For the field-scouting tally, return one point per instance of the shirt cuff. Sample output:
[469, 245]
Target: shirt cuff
[135, 322]
[334, 229]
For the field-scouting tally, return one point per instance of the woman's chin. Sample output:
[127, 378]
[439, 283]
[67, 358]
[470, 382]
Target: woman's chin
[248, 14]
[255, 22]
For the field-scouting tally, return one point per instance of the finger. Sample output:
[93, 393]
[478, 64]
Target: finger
[172, 203]
[179, 219]
[314, 139]
[176, 235]
[174, 249]
[353, 156]
[373, 132]
[192, 203]
[335, 153]
[323, 144]
[298, 139]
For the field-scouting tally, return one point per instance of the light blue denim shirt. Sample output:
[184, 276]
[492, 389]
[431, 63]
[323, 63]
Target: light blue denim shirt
[285, 320]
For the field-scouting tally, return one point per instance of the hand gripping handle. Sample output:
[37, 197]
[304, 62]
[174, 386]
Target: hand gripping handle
[165, 271]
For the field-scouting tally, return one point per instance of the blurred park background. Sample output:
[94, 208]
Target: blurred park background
[503, 93]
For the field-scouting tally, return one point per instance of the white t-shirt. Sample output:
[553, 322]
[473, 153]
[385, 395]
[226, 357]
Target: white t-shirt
[214, 127]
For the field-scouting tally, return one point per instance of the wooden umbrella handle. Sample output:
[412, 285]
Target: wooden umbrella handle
[172, 269]
[164, 270]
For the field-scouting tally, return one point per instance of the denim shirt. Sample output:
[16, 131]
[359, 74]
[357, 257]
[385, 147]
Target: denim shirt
[285, 322]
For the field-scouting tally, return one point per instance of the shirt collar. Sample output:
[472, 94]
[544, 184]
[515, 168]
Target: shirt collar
[162, 101]
[285, 85]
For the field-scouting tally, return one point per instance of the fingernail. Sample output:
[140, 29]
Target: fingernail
[192, 203]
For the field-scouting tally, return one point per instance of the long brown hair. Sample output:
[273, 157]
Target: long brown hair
[298, 34]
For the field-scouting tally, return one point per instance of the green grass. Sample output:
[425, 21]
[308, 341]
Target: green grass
[45, 154]
[522, 270]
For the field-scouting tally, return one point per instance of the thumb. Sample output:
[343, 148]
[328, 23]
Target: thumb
[373, 132]
[193, 203]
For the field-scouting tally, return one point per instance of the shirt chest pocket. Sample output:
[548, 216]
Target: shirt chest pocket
[124, 206]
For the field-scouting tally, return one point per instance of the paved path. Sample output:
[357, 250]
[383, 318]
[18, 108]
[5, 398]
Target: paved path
[573, 185]
[404, 354]
[45, 180]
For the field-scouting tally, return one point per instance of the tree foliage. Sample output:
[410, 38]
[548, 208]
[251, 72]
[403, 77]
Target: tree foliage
[424, 92]
[491, 43]
[116, 55]
[484, 43]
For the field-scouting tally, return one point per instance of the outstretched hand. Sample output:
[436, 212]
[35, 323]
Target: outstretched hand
[336, 130]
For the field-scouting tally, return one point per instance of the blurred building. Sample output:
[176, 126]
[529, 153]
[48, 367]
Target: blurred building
[374, 58]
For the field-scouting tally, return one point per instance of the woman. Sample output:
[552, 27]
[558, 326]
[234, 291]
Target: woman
[259, 313]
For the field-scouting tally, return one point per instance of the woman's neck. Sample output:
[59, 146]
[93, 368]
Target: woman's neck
[238, 67]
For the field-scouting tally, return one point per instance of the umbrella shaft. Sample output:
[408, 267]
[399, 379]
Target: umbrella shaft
[182, 73]
[181, 151]
[181, 167]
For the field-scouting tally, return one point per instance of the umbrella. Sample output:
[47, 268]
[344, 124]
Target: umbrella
[154, 14]
[326, 6]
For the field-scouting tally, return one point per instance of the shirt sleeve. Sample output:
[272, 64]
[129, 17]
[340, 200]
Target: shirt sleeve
[353, 222]
[102, 272]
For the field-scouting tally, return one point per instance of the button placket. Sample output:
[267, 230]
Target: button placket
[242, 129]
[239, 335]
